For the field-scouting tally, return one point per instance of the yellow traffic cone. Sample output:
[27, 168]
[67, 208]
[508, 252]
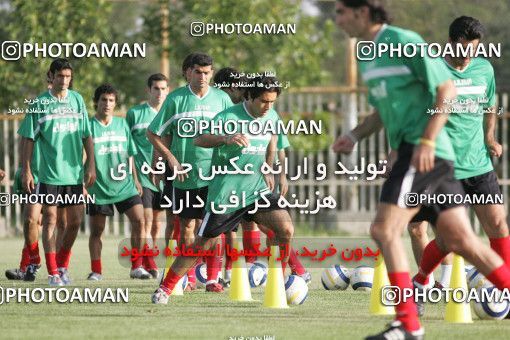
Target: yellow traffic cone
[172, 244]
[458, 312]
[380, 280]
[274, 294]
[239, 284]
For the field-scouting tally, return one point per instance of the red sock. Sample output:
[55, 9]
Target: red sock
[33, 251]
[284, 248]
[96, 266]
[500, 277]
[63, 257]
[431, 258]
[406, 310]
[191, 275]
[295, 265]
[170, 281]
[177, 229]
[25, 259]
[250, 239]
[502, 247]
[136, 261]
[213, 264]
[51, 263]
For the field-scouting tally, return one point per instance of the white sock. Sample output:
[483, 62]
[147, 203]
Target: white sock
[446, 274]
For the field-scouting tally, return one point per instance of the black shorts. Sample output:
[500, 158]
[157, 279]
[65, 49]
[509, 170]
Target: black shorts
[66, 193]
[151, 199]
[107, 209]
[482, 185]
[188, 198]
[404, 184]
[217, 224]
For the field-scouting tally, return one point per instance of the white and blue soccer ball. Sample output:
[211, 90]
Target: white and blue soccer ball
[362, 278]
[257, 274]
[492, 305]
[296, 290]
[476, 280]
[336, 277]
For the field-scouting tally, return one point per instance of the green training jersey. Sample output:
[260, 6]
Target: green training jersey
[179, 116]
[138, 119]
[113, 146]
[403, 89]
[252, 185]
[58, 127]
[476, 89]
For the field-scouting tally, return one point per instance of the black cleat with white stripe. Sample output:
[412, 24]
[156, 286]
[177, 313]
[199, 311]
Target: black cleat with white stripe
[396, 331]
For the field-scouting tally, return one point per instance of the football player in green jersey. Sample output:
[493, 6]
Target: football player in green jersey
[471, 128]
[402, 89]
[138, 119]
[252, 150]
[113, 149]
[59, 124]
[188, 106]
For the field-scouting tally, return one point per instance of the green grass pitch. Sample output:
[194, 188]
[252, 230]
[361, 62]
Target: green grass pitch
[200, 315]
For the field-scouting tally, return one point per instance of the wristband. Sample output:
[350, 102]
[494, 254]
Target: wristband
[428, 142]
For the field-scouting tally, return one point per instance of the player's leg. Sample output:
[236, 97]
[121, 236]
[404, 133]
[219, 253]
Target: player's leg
[229, 242]
[32, 220]
[386, 230]
[251, 237]
[49, 222]
[147, 200]
[97, 226]
[74, 217]
[61, 226]
[138, 237]
[493, 220]
[454, 228]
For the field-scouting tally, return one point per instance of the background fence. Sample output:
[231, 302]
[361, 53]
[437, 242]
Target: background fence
[356, 199]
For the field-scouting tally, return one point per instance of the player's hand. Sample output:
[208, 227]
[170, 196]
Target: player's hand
[90, 176]
[423, 158]
[269, 179]
[343, 144]
[157, 178]
[390, 160]
[177, 167]
[495, 149]
[139, 188]
[238, 139]
[283, 186]
[2, 175]
[85, 192]
[27, 181]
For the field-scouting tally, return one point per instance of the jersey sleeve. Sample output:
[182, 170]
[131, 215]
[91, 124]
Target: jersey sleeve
[86, 121]
[432, 72]
[29, 126]
[163, 123]
[130, 142]
[130, 119]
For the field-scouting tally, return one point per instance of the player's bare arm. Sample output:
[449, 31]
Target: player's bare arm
[90, 172]
[489, 121]
[158, 144]
[346, 142]
[27, 179]
[211, 141]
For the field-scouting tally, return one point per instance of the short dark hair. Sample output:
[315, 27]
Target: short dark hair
[224, 76]
[156, 77]
[466, 27]
[378, 12]
[262, 84]
[59, 64]
[186, 63]
[201, 59]
[104, 89]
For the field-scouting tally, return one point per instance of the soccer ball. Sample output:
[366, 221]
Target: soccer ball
[362, 277]
[492, 305]
[201, 274]
[257, 274]
[336, 277]
[296, 290]
[476, 280]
